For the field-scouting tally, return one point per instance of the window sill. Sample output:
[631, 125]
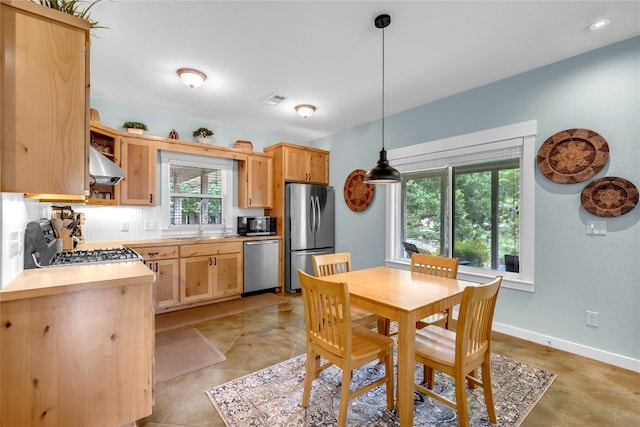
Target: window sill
[476, 275]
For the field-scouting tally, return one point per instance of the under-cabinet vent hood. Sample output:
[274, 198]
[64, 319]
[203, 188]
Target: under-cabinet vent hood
[102, 170]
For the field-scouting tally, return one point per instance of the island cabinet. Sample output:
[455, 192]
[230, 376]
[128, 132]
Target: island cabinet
[255, 181]
[139, 164]
[210, 270]
[164, 262]
[77, 346]
[45, 109]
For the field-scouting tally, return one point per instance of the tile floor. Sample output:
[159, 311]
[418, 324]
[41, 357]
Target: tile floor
[585, 393]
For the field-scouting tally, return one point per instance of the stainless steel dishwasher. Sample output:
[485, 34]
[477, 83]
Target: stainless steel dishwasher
[260, 265]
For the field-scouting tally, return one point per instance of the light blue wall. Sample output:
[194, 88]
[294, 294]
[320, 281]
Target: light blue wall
[599, 90]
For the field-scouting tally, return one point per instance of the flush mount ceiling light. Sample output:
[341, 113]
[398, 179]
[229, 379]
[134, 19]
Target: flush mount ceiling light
[305, 110]
[600, 24]
[192, 78]
[382, 172]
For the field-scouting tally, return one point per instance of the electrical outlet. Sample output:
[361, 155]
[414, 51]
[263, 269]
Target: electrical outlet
[593, 318]
[124, 226]
[149, 225]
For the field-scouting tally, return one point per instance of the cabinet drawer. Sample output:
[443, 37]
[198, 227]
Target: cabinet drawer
[201, 249]
[150, 253]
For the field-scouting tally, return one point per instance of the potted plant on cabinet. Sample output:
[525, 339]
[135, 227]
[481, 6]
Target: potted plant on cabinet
[135, 127]
[202, 134]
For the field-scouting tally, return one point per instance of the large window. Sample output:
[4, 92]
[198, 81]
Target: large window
[485, 219]
[470, 197]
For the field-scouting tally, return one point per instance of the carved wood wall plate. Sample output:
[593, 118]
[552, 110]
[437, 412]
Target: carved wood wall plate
[573, 155]
[609, 196]
[357, 194]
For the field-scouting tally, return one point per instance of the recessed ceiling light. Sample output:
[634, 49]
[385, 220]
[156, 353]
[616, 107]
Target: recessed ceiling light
[600, 24]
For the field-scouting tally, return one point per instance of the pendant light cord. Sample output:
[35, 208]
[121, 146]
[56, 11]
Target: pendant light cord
[383, 88]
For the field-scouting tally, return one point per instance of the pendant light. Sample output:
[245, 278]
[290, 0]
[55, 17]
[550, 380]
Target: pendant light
[382, 172]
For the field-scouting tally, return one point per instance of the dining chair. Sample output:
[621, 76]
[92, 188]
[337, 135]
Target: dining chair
[324, 265]
[436, 266]
[332, 335]
[460, 353]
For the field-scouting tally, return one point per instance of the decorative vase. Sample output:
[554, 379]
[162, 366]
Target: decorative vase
[133, 130]
[205, 140]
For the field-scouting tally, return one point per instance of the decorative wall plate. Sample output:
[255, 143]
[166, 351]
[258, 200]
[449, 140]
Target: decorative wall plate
[609, 196]
[573, 155]
[357, 194]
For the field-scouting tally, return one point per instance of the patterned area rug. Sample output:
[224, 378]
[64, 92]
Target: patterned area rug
[271, 397]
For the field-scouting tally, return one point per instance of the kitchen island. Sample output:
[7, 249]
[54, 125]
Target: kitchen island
[77, 346]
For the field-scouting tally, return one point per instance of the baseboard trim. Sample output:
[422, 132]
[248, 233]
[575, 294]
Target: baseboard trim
[571, 347]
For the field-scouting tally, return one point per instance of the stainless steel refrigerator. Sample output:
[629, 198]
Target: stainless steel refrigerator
[309, 228]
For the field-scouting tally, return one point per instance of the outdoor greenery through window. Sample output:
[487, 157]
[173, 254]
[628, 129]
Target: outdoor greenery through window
[195, 195]
[478, 205]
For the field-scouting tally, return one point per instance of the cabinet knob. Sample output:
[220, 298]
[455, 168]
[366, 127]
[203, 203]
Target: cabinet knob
[210, 261]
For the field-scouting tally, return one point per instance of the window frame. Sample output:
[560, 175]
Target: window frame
[184, 159]
[483, 146]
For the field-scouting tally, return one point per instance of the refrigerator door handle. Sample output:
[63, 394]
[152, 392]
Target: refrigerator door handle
[313, 215]
[319, 215]
[312, 252]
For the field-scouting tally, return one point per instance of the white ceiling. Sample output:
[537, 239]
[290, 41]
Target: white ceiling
[328, 53]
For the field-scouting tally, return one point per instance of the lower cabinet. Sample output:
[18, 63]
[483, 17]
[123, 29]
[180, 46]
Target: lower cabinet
[210, 270]
[163, 260]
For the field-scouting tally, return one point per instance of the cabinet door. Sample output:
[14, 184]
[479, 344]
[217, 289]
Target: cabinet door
[227, 278]
[318, 167]
[295, 164]
[196, 278]
[44, 104]
[166, 288]
[255, 181]
[138, 158]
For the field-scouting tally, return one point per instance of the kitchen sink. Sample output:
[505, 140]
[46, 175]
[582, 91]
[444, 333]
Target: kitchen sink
[198, 238]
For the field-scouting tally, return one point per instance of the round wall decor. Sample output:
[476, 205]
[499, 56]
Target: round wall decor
[609, 196]
[573, 155]
[357, 194]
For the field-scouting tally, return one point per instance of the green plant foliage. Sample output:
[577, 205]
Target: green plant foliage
[73, 7]
[475, 251]
[202, 133]
[134, 125]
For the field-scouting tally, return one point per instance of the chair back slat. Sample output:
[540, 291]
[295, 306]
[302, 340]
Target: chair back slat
[325, 265]
[326, 307]
[473, 332]
[434, 265]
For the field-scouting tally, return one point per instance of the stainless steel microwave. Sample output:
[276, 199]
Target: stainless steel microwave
[256, 225]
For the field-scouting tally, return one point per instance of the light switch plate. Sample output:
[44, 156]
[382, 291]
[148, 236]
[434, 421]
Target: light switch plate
[597, 228]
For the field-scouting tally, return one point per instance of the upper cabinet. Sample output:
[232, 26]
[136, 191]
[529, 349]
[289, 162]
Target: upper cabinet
[138, 161]
[45, 108]
[304, 164]
[255, 177]
[107, 141]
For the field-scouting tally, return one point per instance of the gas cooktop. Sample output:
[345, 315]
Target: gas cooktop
[96, 256]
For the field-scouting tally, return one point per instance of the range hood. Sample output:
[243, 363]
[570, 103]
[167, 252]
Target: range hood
[102, 170]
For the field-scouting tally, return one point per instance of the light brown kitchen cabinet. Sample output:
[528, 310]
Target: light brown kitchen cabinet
[139, 164]
[255, 181]
[303, 164]
[45, 102]
[163, 261]
[107, 141]
[210, 270]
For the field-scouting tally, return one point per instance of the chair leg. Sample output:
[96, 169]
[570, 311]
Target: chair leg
[388, 370]
[461, 402]
[488, 390]
[310, 374]
[446, 320]
[344, 398]
[383, 326]
[428, 376]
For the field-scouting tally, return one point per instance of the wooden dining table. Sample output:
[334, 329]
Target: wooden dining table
[405, 297]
